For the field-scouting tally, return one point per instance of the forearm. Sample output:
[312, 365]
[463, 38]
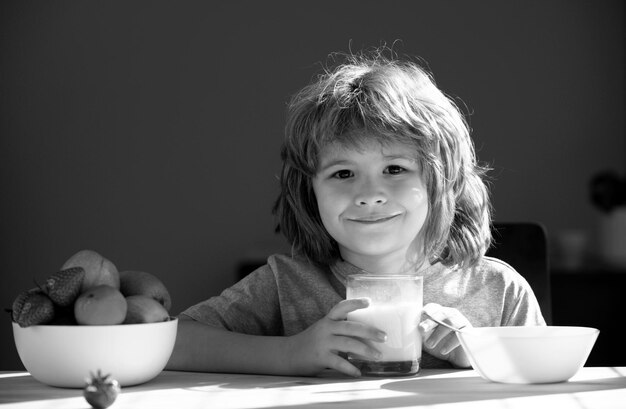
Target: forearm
[203, 348]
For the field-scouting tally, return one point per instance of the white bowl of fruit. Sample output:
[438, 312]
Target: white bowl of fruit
[88, 318]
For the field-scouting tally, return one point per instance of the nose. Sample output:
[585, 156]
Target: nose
[370, 194]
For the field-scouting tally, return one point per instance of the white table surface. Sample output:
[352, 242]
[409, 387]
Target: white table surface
[592, 387]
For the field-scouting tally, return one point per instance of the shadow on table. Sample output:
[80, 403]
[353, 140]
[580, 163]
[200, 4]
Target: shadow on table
[448, 390]
[417, 390]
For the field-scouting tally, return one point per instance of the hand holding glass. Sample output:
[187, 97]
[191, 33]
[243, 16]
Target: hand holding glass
[395, 307]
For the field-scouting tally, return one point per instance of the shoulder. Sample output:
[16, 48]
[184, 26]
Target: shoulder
[494, 269]
[278, 264]
[494, 266]
[280, 261]
[520, 303]
[290, 264]
[285, 269]
[488, 272]
[294, 267]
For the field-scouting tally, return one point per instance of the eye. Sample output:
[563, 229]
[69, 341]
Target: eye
[395, 170]
[342, 174]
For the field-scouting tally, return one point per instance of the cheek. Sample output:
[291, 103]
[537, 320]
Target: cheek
[417, 201]
[417, 197]
[324, 203]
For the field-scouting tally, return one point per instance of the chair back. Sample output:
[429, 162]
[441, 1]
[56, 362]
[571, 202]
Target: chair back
[524, 245]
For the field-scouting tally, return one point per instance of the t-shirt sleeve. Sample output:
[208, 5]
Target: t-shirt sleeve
[521, 307]
[250, 306]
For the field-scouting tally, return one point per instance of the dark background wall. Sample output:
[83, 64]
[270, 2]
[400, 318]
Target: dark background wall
[149, 131]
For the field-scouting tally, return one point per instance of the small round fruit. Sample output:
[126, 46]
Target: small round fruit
[101, 305]
[144, 309]
[143, 283]
[101, 391]
[98, 269]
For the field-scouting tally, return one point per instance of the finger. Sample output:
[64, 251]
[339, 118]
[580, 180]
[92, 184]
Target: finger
[459, 358]
[355, 346]
[341, 310]
[449, 316]
[342, 365]
[435, 311]
[449, 344]
[432, 308]
[359, 330]
[436, 336]
[427, 326]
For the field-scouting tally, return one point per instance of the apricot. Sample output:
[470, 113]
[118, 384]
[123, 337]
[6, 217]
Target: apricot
[143, 283]
[98, 269]
[100, 305]
[142, 309]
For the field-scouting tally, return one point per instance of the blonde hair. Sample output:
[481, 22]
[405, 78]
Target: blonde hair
[390, 99]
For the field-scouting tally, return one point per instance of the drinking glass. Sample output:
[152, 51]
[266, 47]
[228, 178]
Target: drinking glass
[396, 303]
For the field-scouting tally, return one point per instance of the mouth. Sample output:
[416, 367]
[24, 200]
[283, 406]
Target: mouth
[374, 219]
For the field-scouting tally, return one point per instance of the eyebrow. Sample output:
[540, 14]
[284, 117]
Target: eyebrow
[336, 162]
[406, 157]
[343, 162]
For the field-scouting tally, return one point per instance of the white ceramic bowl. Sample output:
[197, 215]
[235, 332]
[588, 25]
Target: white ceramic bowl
[64, 355]
[543, 354]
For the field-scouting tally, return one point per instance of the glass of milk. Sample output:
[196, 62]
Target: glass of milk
[395, 307]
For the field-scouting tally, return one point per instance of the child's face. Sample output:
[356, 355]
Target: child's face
[372, 201]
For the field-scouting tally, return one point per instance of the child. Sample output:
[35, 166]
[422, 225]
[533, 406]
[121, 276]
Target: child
[379, 176]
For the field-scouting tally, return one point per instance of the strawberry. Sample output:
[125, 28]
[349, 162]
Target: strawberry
[101, 391]
[63, 287]
[19, 301]
[32, 307]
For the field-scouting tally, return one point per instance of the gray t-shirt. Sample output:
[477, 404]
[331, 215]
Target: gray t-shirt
[289, 294]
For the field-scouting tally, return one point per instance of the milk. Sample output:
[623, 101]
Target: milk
[395, 308]
[399, 321]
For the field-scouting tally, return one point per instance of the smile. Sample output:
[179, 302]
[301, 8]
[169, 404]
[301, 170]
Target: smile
[374, 219]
